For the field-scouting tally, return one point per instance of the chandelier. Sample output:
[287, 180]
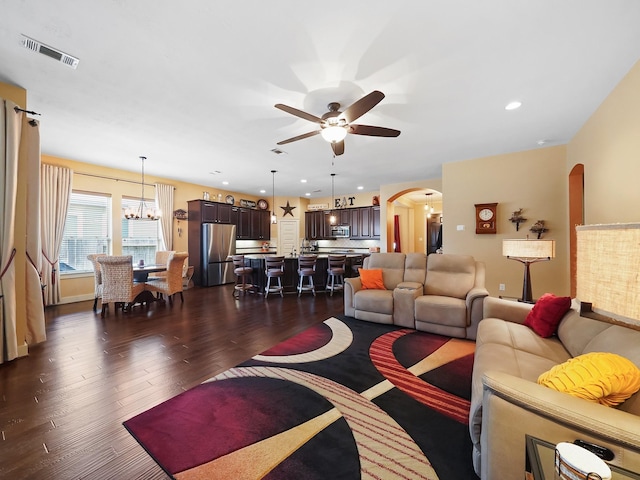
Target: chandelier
[142, 212]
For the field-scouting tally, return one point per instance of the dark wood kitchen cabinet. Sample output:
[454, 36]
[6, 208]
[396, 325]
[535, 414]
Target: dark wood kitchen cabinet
[375, 222]
[209, 212]
[260, 224]
[243, 223]
[314, 225]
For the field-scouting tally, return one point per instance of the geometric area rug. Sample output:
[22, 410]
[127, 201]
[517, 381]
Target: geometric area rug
[344, 399]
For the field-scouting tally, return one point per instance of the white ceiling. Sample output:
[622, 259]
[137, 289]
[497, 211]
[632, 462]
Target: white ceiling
[192, 85]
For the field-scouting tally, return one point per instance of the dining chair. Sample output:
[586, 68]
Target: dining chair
[306, 269]
[274, 268]
[172, 283]
[118, 286]
[97, 277]
[162, 258]
[335, 273]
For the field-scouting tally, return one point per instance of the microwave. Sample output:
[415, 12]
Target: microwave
[340, 231]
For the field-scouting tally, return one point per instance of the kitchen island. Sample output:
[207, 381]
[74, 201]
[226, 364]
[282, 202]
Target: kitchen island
[290, 278]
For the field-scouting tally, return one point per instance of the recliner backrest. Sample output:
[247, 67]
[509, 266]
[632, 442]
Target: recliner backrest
[415, 267]
[392, 265]
[450, 275]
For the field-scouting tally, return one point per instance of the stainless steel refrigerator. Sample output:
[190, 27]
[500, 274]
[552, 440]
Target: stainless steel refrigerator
[218, 245]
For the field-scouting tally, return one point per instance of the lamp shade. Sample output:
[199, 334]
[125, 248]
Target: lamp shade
[608, 268]
[525, 248]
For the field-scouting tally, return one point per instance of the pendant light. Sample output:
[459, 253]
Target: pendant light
[274, 218]
[332, 218]
[142, 212]
[427, 206]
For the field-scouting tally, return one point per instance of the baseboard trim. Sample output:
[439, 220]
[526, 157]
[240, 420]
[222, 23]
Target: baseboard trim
[76, 298]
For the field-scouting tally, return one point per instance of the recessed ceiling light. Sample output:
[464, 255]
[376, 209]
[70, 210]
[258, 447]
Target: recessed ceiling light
[542, 142]
[263, 191]
[307, 194]
[225, 182]
[513, 105]
[303, 181]
[360, 187]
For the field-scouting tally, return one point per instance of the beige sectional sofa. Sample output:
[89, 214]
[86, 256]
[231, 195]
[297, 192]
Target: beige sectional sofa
[507, 403]
[440, 294]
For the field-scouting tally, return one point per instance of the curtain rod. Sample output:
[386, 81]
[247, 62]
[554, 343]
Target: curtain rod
[114, 179]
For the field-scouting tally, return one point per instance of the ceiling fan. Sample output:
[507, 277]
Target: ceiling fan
[334, 125]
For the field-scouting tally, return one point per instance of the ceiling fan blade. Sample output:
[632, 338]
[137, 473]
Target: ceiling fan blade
[362, 106]
[372, 131]
[299, 113]
[338, 148]
[299, 137]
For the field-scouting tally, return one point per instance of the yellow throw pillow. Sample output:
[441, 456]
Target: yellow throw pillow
[372, 279]
[600, 377]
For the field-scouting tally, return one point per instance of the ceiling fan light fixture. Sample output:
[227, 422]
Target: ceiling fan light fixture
[334, 134]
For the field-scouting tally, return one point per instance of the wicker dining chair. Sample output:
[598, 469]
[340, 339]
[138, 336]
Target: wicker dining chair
[97, 277]
[172, 283]
[117, 282]
[162, 258]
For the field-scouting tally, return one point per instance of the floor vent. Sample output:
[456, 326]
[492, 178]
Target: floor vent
[36, 46]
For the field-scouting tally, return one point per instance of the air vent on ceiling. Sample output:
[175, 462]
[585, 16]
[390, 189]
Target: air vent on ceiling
[36, 46]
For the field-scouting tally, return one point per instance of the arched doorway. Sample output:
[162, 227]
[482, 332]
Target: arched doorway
[576, 217]
[421, 212]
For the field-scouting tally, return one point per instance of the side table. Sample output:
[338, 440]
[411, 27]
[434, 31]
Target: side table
[540, 462]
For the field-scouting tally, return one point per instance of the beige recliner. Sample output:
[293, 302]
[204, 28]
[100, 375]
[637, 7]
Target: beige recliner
[440, 293]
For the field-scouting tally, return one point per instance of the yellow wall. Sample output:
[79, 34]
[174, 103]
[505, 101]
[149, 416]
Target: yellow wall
[535, 180]
[80, 287]
[609, 147]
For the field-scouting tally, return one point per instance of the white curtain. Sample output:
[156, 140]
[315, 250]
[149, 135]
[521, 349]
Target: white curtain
[36, 331]
[164, 201]
[10, 127]
[55, 191]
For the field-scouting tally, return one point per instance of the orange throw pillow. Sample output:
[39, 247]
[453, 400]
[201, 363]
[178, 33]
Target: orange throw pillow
[372, 279]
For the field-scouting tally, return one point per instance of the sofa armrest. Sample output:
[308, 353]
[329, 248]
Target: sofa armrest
[351, 287]
[474, 301]
[513, 407]
[510, 311]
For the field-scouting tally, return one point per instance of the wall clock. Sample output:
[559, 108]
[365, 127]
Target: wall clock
[263, 204]
[486, 217]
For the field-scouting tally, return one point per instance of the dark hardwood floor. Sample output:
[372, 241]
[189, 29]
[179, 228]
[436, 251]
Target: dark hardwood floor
[62, 407]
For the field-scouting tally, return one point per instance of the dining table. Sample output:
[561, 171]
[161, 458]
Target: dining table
[141, 275]
[141, 272]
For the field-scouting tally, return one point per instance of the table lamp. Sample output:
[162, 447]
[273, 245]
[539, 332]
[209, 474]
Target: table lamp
[527, 252]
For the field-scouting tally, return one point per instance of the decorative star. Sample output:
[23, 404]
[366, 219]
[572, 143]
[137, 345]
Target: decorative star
[288, 209]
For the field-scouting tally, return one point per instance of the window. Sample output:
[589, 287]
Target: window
[140, 238]
[87, 230]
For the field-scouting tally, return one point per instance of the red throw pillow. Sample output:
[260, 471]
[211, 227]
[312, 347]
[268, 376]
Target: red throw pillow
[372, 279]
[546, 314]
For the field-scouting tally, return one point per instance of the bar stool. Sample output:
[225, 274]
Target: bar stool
[306, 268]
[356, 265]
[274, 268]
[243, 273]
[335, 273]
